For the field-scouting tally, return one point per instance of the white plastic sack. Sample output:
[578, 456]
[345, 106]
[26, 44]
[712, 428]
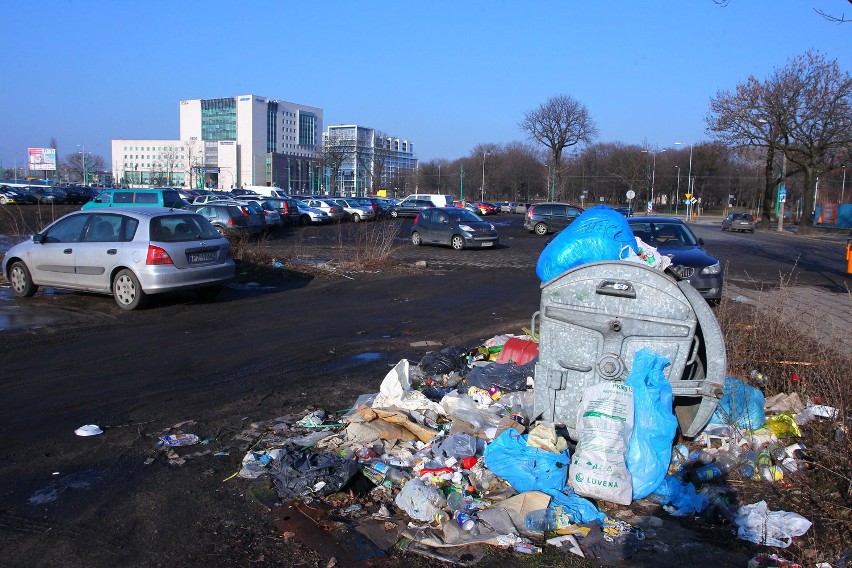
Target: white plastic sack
[773, 528]
[604, 427]
[649, 256]
[396, 392]
[421, 501]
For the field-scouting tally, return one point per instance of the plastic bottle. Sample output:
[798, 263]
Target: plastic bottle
[550, 519]
[386, 473]
[700, 456]
[465, 520]
[764, 465]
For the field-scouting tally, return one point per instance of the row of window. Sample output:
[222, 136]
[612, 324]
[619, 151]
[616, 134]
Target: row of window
[154, 149]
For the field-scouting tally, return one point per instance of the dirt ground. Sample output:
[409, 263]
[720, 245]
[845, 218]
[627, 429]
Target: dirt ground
[269, 351]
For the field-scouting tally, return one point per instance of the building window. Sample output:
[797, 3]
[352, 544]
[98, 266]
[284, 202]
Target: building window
[307, 129]
[218, 119]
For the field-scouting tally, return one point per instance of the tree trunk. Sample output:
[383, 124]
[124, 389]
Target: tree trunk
[768, 193]
[806, 224]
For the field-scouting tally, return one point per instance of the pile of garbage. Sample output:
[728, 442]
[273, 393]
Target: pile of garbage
[444, 458]
[452, 455]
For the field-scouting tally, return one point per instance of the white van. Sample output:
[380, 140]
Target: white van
[266, 191]
[438, 200]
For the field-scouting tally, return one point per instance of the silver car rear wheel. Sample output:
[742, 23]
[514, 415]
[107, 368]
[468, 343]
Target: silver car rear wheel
[127, 291]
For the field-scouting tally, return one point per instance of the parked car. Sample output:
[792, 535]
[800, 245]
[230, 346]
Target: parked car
[354, 211]
[332, 209]
[130, 253]
[310, 215]
[671, 236]
[626, 211]
[738, 222]
[51, 195]
[437, 199]
[409, 208]
[270, 215]
[9, 196]
[287, 207]
[209, 198]
[458, 228]
[544, 218]
[507, 206]
[78, 194]
[158, 197]
[231, 218]
[485, 208]
[521, 208]
[374, 203]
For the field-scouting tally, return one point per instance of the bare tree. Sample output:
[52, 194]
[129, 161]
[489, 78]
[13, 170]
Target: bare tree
[336, 150]
[560, 122]
[374, 160]
[802, 111]
[194, 160]
[78, 165]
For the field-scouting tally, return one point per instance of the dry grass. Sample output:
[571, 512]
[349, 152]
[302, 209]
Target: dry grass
[794, 353]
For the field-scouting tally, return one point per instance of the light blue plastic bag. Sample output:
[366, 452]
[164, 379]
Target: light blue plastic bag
[599, 233]
[528, 468]
[654, 422]
[741, 405]
[681, 497]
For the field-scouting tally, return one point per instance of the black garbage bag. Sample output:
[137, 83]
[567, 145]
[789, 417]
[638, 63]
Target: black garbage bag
[445, 361]
[507, 378]
[297, 473]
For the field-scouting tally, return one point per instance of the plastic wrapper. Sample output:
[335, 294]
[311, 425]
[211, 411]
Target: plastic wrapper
[741, 405]
[508, 378]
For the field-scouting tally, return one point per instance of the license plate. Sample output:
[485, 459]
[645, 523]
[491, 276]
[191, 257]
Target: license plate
[202, 257]
[488, 244]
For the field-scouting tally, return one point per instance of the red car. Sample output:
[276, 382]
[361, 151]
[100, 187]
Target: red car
[485, 208]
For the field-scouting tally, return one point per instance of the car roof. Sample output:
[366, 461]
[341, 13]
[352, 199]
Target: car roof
[135, 211]
[654, 219]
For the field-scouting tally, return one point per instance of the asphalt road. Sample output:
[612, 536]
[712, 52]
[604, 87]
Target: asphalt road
[255, 353]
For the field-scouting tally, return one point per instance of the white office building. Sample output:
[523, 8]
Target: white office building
[370, 161]
[227, 143]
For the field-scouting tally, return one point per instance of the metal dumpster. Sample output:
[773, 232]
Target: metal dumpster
[595, 317]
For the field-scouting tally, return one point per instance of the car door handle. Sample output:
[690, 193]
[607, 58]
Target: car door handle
[112, 251]
[66, 251]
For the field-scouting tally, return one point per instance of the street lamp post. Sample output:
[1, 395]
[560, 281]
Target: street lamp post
[653, 172]
[677, 195]
[16, 166]
[688, 177]
[482, 187]
[843, 186]
[85, 171]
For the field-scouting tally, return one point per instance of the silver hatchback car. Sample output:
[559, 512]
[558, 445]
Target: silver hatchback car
[127, 252]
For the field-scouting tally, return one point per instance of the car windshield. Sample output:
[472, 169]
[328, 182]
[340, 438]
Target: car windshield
[657, 233]
[463, 215]
[181, 228]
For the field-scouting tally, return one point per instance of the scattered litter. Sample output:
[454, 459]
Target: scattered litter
[756, 523]
[174, 440]
[88, 430]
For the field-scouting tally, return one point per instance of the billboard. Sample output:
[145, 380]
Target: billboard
[42, 158]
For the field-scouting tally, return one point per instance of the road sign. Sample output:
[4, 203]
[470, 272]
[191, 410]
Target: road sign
[693, 201]
[687, 195]
[630, 194]
[782, 195]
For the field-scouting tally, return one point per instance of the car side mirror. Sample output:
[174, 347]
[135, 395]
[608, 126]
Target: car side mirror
[38, 238]
[700, 241]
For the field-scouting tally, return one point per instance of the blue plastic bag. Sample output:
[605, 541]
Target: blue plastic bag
[599, 233]
[654, 422]
[741, 405]
[528, 468]
[682, 497]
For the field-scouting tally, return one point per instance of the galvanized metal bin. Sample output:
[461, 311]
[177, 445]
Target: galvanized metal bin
[594, 318]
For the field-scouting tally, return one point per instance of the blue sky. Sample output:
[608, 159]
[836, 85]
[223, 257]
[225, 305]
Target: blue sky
[446, 75]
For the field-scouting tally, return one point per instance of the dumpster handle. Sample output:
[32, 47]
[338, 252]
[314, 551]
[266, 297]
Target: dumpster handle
[571, 367]
[532, 325]
[694, 354]
[616, 288]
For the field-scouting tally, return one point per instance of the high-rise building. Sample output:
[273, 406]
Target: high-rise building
[368, 161]
[227, 143]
